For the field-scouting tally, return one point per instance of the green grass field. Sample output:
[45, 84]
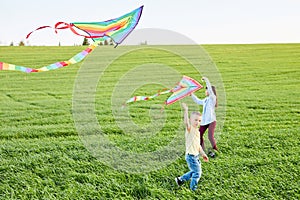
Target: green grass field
[43, 157]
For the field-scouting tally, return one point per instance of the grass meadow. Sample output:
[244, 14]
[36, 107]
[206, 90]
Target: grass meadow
[42, 156]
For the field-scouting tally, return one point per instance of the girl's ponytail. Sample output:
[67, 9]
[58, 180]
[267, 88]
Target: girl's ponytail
[215, 92]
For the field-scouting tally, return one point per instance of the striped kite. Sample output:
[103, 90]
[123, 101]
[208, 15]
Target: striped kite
[116, 29]
[185, 87]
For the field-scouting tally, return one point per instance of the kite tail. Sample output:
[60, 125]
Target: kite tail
[39, 28]
[75, 59]
[145, 98]
[56, 27]
[60, 26]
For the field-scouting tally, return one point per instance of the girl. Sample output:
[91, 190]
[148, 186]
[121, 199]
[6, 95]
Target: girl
[208, 115]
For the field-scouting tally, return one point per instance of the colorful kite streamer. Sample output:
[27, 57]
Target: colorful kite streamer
[116, 29]
[145, 98]
[75, 59]
[185, 87]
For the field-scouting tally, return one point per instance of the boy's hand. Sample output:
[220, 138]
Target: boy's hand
[185, 107]
[205, 158]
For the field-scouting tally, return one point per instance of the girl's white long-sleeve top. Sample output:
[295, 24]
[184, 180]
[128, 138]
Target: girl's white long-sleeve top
[209, 103]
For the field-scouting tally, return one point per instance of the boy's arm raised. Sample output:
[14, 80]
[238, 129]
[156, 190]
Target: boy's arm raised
[186, 115]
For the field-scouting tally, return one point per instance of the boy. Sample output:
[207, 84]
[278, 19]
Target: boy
[193, 149]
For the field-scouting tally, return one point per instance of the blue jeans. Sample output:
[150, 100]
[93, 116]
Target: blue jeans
[195, 172]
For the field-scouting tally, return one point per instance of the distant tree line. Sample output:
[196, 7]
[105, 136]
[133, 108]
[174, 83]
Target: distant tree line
[105, 42]
[21, 43]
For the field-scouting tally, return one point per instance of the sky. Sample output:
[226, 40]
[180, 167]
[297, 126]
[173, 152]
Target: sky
[202, 21]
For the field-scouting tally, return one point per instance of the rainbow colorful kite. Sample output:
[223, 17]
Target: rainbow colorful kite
[185, 87]
[116, 29]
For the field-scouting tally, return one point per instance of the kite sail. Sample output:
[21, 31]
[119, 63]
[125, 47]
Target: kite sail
[116, 29]
[185, 87]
